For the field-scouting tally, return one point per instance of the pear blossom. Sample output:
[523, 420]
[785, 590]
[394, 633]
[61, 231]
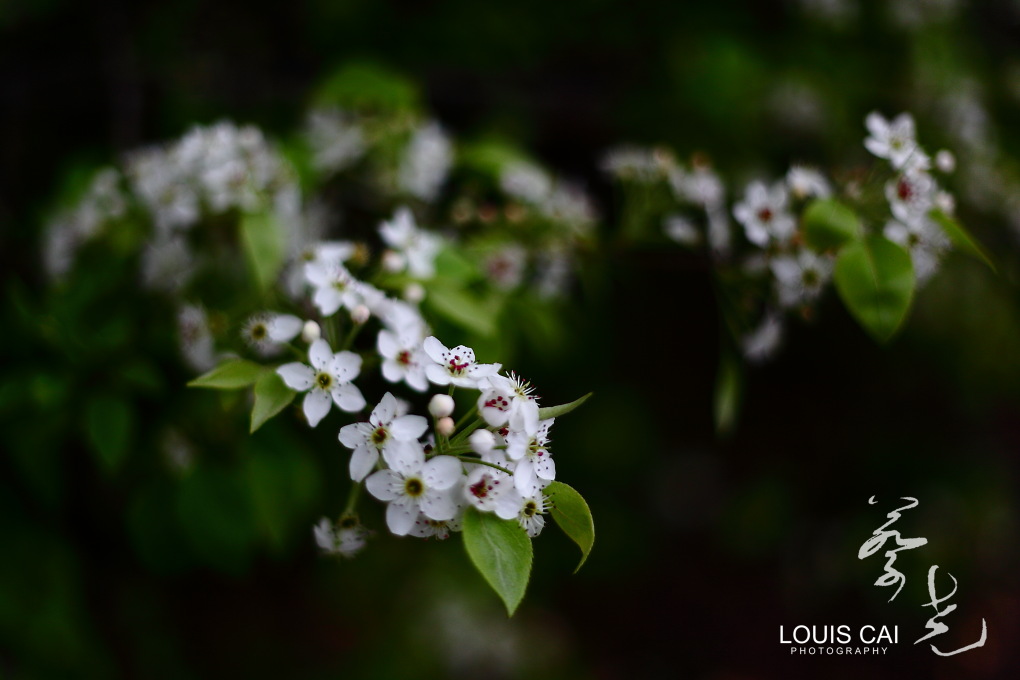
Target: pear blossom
[414, 485]
[417, 247]
[924, 240]
[456, 366]
[335, 287]
[509, 400]
[535, 467]
[800, 278]
[681, 230]
[894, 140]
[764, 215]
[806, 182]
[403, 358]
[386, 432]
[426, 162]
[484, 486]
[425, 527]
[265, 331]
[911, 195]
[327, 379]
[527, 508]
[346, 538]
[761, 343]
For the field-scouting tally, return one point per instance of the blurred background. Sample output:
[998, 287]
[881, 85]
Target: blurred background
[120, 561]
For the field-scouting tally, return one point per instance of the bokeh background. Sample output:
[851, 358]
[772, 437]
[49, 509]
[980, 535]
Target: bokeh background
[705, 544]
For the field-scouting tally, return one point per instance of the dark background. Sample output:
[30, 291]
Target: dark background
[705, 544]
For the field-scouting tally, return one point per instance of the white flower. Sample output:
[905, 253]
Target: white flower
[336, 140]
[509, 400]
[327, 379]
[426, 162]
[945, 161]
[505, 267]
[761, 343]
[681, 230]
[527, 508]
[335, 287]
[403, 358]
[418, 247]
[385, 433]
[485, 486]
[456, 366]
[196, 340]
[525, 181]
[800, 278]
[911, 195]
[484, 442]
[414, 485]
[265, 331]
[805, 182]
[924, 240]
[893, 140]
[441, 405]
[763, 214]
[633, 163]
[425, 527]
[535, 467]
[347, 538]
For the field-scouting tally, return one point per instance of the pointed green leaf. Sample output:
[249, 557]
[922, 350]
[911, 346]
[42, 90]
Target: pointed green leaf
[829, 224]
[230, 375]
[961, 238]
[502, 553]
[271, 397]
[264, 246]
[108, 423]
[573, 516]
[562, 409]
[728, 391]
[875, 278]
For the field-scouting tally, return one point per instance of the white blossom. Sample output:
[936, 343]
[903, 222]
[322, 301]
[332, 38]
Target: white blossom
[327, 380]
[456, 366]
[764, 215]
[385, 433]
[414, 485]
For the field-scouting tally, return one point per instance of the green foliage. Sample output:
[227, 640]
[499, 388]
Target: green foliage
[109, 424]
[875, 279]
[562, 409]
[264, 247]
[961, 238]
[463, 308]
[271, 397]
[829, 224]
[573, 516]
[728, 392]
[501, 551]
[369, 87]
[230, 375]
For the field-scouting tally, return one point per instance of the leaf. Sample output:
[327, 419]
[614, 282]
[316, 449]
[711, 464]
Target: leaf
[728, 391]
[271, 397]
[264, 246]
[961, 238]
[463, 309]
[562, 409]
[573, 516]
[108, 423]
[875, 278]
[502, 553]
[829, 224]
[230, 375]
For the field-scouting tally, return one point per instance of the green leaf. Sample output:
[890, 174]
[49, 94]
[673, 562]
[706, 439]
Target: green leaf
[829, 224]
[502, 553]
[264, 246]
[875, 278]
[961, 239]
[562, 409]
[573, 516]
[108, 423]
[451, 264]
[728, 391]
[230, 375]
[271, 397]
[463, 309]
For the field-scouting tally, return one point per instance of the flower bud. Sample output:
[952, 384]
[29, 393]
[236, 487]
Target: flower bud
[945, 161]
[393, 261]
[441, 405]
[311, 332]
[482, 441]
[414, 293]
[446, 426]
[360, 314]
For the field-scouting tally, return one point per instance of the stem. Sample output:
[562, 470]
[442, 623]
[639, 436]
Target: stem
[332, 330]
[461, 436]
[352, 498]
[479, 461]
[463, 418]
[353, 333]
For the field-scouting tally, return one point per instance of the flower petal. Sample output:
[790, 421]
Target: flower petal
[363, 460]
[345, 366]
[400, 518]
[355, 434]
[297, 376]
[385, 411]
[320, 354]
[436, 350]
[316, 406]
[348, 397]
[439, 505]
[442, 472]
[385, 485]
[408, 428]
[284, 327]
